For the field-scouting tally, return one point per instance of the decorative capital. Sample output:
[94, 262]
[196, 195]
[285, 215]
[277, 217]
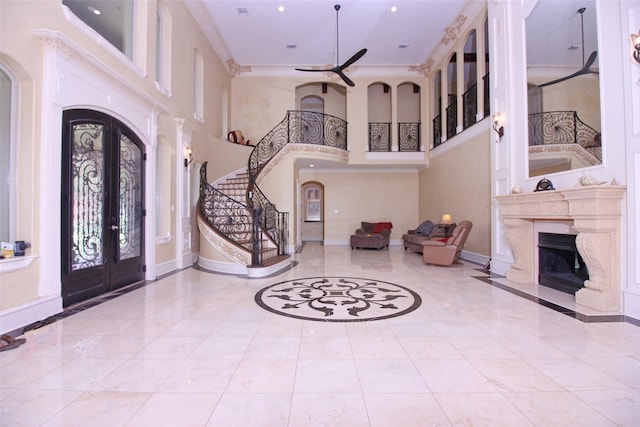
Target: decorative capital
[236, 69]
[453, 31]
[424, 68]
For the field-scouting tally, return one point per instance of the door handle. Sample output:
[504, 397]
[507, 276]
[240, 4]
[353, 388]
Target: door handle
[114, 227]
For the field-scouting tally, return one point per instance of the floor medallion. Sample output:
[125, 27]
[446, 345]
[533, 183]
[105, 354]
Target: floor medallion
[338, 299]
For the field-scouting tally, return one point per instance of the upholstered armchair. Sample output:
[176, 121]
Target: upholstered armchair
[446, 252]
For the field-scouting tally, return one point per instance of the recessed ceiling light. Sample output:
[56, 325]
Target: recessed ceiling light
[243, 11]
[280, 8]
[403, 45]
[312, 166]
[394, 8]
[291, 45]
[93, 10]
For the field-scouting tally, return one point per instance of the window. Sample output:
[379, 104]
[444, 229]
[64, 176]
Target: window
[198, 86]
[163, 188]
[112, 19]
[314, 203]
[163, 50]
[7, 154]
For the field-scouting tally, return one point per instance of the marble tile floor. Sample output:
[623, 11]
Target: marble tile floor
[194, 349]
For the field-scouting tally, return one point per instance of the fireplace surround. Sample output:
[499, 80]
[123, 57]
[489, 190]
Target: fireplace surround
[593, 212]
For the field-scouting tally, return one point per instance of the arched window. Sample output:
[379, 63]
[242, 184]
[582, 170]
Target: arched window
[163, 50]
[437, 109]
[408, 117]
[198, 86]
[379, 116]
[8, 91]
[452, 94]
[470, 95]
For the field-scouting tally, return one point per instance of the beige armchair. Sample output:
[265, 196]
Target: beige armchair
[446, 252]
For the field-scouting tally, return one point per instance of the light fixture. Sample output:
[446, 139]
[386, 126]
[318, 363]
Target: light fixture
[446, 219]
[498, 125]
[280, 8]
[635, 42]
[188, 156]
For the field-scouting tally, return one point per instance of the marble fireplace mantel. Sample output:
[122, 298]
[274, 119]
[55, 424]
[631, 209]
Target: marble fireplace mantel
[594, 213]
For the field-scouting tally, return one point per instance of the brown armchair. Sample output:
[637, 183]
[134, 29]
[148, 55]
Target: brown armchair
[446, 252]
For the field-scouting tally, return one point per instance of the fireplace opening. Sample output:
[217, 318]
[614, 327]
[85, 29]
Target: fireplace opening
[560, 266]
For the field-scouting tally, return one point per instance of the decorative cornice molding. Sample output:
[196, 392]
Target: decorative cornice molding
[58, 42]
[423, 69]
[453, 31]
[236, 69]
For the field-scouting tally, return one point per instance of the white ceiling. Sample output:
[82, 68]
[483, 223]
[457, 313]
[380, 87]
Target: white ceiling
[260, 38]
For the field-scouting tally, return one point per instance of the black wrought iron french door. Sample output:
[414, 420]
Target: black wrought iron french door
[102, 245]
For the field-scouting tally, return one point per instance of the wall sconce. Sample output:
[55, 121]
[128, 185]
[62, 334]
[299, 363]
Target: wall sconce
[498, 125]
[188, 156]
[635, 42]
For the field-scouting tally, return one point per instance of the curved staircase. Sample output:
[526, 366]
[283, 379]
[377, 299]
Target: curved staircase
[237, 219]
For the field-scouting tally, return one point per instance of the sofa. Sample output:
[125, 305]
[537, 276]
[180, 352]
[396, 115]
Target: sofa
[426, 231]
[446, 252]
[371, 235]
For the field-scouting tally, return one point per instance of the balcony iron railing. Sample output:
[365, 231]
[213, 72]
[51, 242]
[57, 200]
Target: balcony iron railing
[379, 136]
[409, 136]
[563, 127]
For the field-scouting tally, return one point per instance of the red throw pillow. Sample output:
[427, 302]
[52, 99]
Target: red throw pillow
[444, 239]
[379, 226]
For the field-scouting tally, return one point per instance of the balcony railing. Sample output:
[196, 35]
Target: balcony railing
[469, 106]
[563, 127]
[452, 119]
[437, 131]
[379, 136]
[409, 136]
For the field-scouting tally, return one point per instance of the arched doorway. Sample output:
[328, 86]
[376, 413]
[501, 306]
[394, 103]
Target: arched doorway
[102, 206]
[312, 212]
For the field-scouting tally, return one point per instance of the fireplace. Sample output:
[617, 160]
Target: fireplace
[592, 213]
[560, 265]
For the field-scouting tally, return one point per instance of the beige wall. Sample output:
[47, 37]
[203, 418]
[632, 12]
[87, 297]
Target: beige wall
[260, 103]
[22, 52]
[458, 182]
[352, 197]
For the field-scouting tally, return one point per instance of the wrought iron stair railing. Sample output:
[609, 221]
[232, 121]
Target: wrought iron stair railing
[257, 225]
[300, 127]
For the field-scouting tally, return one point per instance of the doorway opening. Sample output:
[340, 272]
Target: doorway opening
[102, 214]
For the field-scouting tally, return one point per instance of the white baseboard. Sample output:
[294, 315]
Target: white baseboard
[631, 304]
[474, 257]
[23, 315]
[166, 268]
[222, 266]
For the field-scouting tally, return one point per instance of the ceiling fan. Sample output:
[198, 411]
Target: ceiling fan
[586, 67]
[339, 69]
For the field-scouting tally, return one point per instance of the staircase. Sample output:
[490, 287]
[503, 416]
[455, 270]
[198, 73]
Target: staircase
[237, 218]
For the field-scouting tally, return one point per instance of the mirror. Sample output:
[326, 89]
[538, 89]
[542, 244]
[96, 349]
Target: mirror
[563, 90]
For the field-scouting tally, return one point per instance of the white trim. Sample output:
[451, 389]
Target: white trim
[8, 265]
[474, 257]
[101, 41]
[33, 311]
[268, 271]
[165, 268]
[478, 129]
[222, 267]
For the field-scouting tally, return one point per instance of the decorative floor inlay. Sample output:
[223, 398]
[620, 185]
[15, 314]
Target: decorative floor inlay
[338, 299]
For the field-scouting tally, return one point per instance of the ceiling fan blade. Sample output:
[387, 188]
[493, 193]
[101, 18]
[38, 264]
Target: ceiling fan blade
[346, 79]
[591, 60]
[354, 58]
[584, 70]
[314, 70]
